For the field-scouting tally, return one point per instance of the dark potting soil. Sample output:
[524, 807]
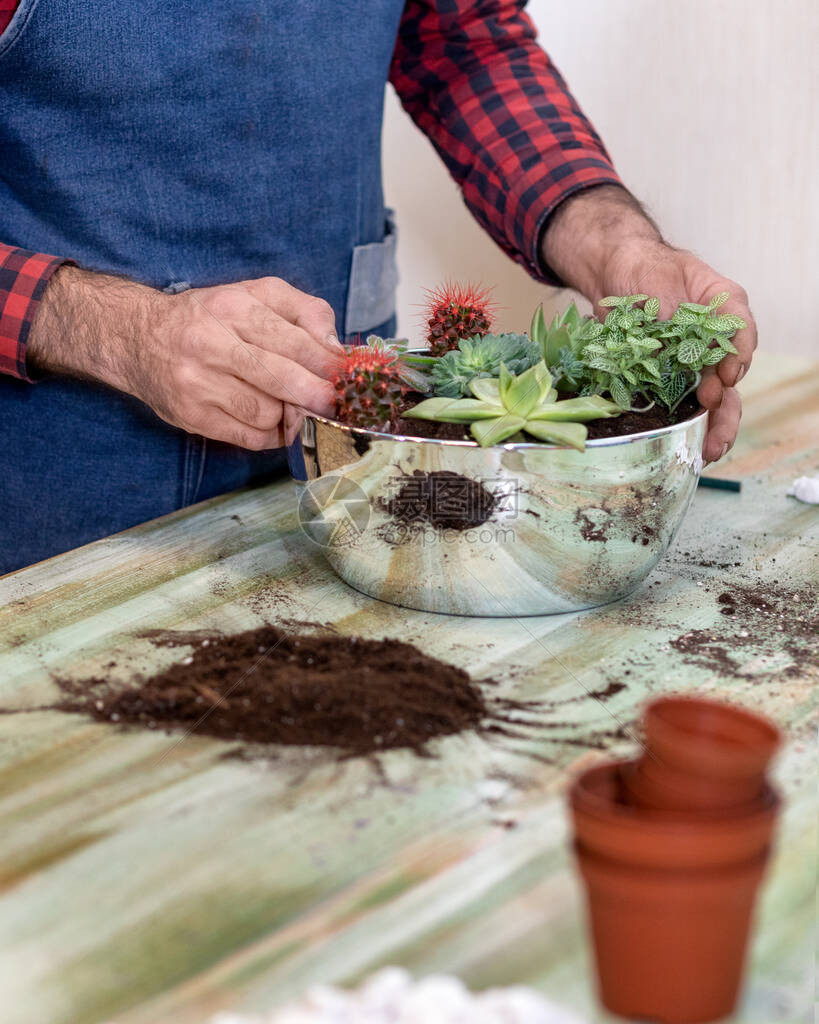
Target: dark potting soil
[267, 686]
[625, 423]
[442, 499]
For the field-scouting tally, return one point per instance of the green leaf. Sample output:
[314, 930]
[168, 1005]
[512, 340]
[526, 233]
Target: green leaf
[521, 394]
[592, 407]
[651, 366]
[486, 389]
[572, 317]
[712, 356]
[602, 363]
[494, 431]
[571, 434]
[727, 346]
[620, 393]
[652, 307]
[690, 350]
[684, 317]
[719, 300]
[554, 342]
[537, 329]
[694, 307]
[610, 300]
[725, 322]
[452, 410]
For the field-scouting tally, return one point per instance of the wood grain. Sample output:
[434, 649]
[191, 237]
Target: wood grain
[146, 879]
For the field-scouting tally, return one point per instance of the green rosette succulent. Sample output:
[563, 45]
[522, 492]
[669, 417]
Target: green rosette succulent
[481, 356]
[514, 405]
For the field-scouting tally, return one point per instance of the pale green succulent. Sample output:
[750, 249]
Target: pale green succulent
[481, 356]
[510, 405]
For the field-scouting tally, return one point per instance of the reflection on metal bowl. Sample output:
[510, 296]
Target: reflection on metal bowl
[516, 529]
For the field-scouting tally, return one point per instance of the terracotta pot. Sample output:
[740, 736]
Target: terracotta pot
[608, 825]
[650, 785]
[670, 897]
[670, 945]
[702, 755]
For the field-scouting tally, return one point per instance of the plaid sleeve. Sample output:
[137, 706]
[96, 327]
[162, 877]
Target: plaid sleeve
[23, 277]
[473, 78]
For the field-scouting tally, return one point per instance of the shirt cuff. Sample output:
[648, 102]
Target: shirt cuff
[534, 196]
[23, 278]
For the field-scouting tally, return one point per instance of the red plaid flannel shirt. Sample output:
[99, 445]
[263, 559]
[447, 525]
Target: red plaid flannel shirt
[473, 78]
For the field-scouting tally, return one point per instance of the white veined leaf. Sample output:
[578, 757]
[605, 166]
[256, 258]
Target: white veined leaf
[675, 387]
[684, 317]
[712, 356]
[719, 300]
[602, 363]
[593, 349]
[727, 346]
[610, 300]
[630, 377]
[724, 322]
[694, 307]
[652, 307]
[631, 299]
[651, 366]
[647, 344]
[624, 320]
[690, 350]
[593, 329]
[620, 393]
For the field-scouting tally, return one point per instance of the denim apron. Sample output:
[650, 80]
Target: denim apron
[183, 144]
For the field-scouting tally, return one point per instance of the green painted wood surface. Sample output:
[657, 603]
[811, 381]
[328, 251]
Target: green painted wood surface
[146, 879]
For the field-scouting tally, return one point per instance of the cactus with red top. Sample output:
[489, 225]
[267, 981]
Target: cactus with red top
[369, 388]
[454, 312]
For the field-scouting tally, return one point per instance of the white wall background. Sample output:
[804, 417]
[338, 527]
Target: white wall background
[710, 109]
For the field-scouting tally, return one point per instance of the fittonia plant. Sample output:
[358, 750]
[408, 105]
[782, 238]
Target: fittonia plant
[633, 356]
[513, 405]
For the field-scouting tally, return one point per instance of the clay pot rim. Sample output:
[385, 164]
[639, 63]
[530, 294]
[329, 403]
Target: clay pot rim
[660, 874]
[635, 787]
[665, 719]
[665, 823]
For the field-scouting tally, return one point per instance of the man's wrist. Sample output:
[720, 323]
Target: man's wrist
[88, 325]
[586, 231]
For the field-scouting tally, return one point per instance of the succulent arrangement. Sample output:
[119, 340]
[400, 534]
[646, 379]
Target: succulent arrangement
[632, 355]
[509, 405]
[545, 385]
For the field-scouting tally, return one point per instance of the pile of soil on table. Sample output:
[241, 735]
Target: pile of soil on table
[267, 686]
[442, 499]
[617, 426]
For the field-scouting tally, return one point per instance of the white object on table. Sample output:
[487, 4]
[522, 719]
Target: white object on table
[391, 997]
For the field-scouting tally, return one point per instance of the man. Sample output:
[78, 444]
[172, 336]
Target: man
[190, 197]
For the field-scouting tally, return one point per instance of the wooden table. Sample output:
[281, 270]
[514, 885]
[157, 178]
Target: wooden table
[146, 879]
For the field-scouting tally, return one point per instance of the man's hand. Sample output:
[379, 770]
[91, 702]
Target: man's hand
[236, 363]
[601, 242]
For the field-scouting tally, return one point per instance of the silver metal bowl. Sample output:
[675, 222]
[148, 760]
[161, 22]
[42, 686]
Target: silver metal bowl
[566, 530]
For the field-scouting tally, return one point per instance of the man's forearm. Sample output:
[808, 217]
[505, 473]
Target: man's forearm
[586, 231]
[86, 322]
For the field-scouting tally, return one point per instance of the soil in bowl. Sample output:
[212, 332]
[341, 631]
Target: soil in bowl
[618, 426]
[271, 687]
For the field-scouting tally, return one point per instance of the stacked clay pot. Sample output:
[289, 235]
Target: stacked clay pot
[672, 848]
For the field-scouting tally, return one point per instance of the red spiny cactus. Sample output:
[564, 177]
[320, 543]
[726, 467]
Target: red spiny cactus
[369, 388]
[456, 311]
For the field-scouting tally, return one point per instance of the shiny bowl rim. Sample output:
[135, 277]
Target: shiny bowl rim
[600, 442]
